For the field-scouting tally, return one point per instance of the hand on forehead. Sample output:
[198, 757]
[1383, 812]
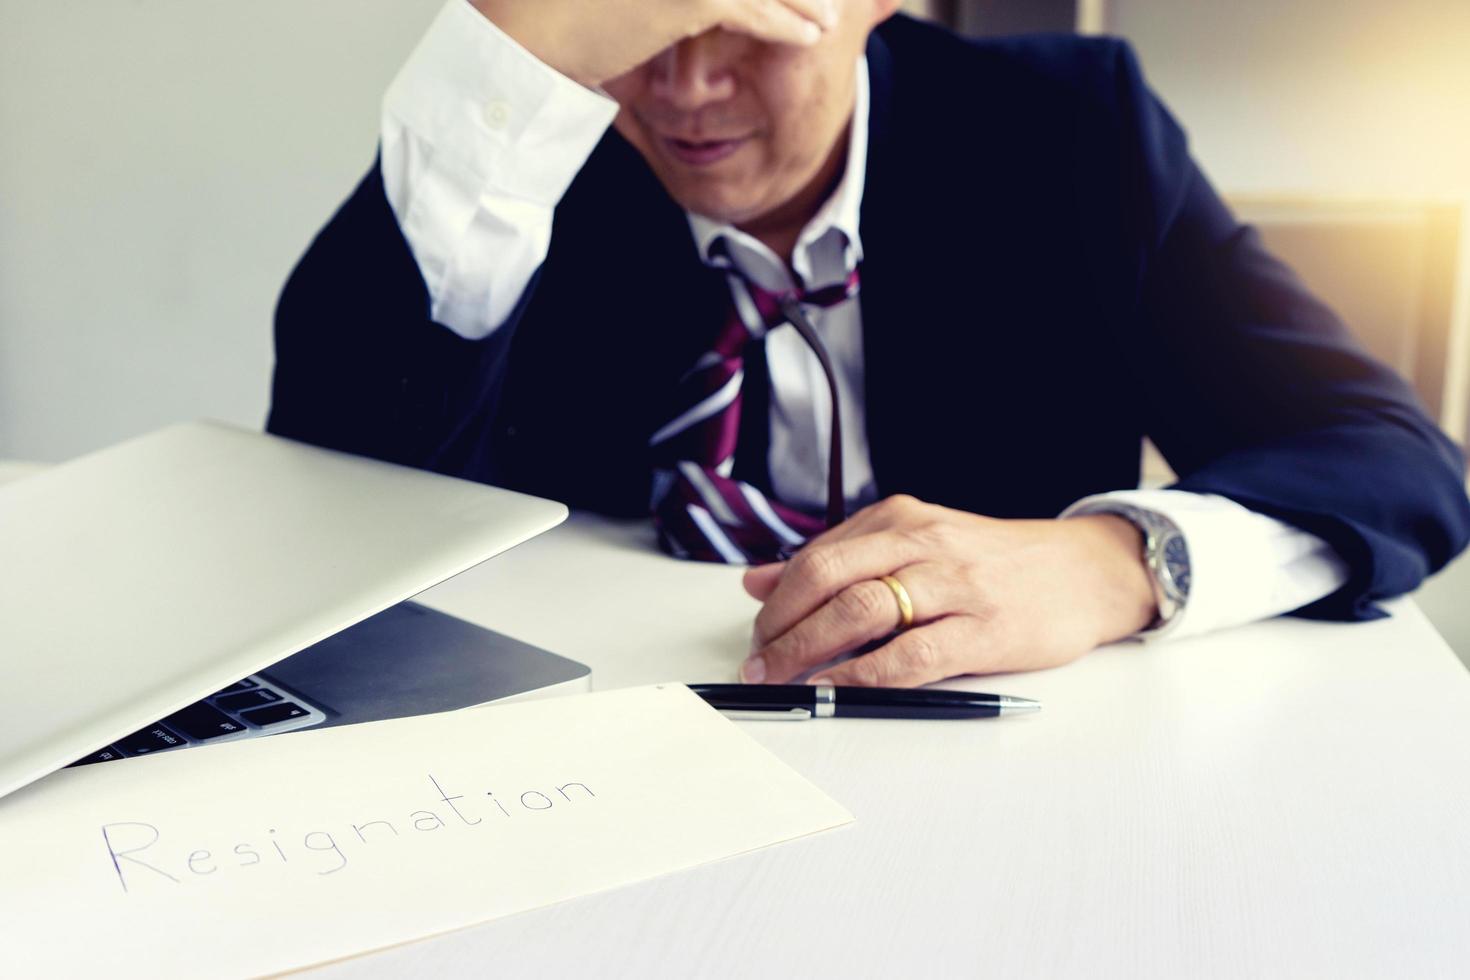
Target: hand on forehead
[596, 40]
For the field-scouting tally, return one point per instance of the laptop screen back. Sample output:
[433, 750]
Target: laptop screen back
[140, 578]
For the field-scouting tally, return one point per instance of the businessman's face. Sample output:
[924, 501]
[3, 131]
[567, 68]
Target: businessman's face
[744, 131]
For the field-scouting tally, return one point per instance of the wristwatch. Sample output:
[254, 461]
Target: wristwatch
[1167, 557]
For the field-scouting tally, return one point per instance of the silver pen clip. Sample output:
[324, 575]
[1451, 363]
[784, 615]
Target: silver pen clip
[769, 714]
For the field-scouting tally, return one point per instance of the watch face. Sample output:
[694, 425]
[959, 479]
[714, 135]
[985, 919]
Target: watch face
[1176, 563]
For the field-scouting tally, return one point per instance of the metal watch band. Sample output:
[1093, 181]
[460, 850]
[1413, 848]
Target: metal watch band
[1164, 554]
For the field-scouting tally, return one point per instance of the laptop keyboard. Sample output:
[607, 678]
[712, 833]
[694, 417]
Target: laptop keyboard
[247, 708]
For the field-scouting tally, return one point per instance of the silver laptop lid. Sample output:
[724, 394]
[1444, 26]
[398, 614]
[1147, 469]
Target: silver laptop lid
[140, 578]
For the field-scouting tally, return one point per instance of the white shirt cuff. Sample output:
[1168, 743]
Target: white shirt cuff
[1243, 566]
[480, 140]
[489, 108]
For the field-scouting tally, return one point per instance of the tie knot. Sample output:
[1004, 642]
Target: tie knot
[770, 302]
[764, 310]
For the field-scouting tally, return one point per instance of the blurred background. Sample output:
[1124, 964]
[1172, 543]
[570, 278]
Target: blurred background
[165, 163]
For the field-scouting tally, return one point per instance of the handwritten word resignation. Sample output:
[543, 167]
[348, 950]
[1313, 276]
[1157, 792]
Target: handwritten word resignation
[135, 849]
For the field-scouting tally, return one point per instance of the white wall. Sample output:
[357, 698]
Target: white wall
[1340, 97]
[164, 163]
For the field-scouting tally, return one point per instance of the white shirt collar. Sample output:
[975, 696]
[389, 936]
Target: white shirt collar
[829, 247]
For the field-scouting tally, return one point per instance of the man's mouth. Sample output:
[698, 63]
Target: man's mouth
[701, 153]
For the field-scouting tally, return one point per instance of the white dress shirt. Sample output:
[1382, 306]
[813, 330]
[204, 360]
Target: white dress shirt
[480, 140]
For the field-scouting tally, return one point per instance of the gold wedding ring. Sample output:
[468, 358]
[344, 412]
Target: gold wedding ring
[905, 603]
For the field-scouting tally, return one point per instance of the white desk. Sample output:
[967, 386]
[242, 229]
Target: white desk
[1287, 800]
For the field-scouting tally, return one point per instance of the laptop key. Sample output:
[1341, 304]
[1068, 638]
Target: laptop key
[203, 722]
[244, 685]
[108, 754]
[246, 700]
[154, 738]
[274, 714]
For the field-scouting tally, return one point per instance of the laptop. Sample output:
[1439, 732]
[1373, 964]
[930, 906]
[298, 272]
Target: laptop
[207, 583]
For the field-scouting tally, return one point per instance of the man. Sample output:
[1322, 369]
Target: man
[996, 258]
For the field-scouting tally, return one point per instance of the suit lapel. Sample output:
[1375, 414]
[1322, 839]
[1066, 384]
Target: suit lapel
[890, 260]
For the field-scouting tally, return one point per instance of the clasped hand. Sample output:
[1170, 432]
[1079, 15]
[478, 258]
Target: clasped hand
[988, 595]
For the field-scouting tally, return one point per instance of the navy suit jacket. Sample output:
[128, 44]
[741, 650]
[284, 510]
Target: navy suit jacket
[1047, 278]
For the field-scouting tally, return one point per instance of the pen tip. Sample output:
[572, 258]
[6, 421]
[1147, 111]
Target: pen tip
[1009, 704]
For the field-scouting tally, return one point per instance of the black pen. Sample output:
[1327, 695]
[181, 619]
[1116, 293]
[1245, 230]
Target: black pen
[799, 702]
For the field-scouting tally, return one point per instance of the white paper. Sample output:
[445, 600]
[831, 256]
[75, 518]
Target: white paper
[270, 854]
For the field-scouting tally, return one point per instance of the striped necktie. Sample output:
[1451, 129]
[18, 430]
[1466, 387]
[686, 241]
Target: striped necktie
[702, 512]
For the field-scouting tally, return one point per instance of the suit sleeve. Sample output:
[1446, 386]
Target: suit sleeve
[1254, 390]
[361, 366]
